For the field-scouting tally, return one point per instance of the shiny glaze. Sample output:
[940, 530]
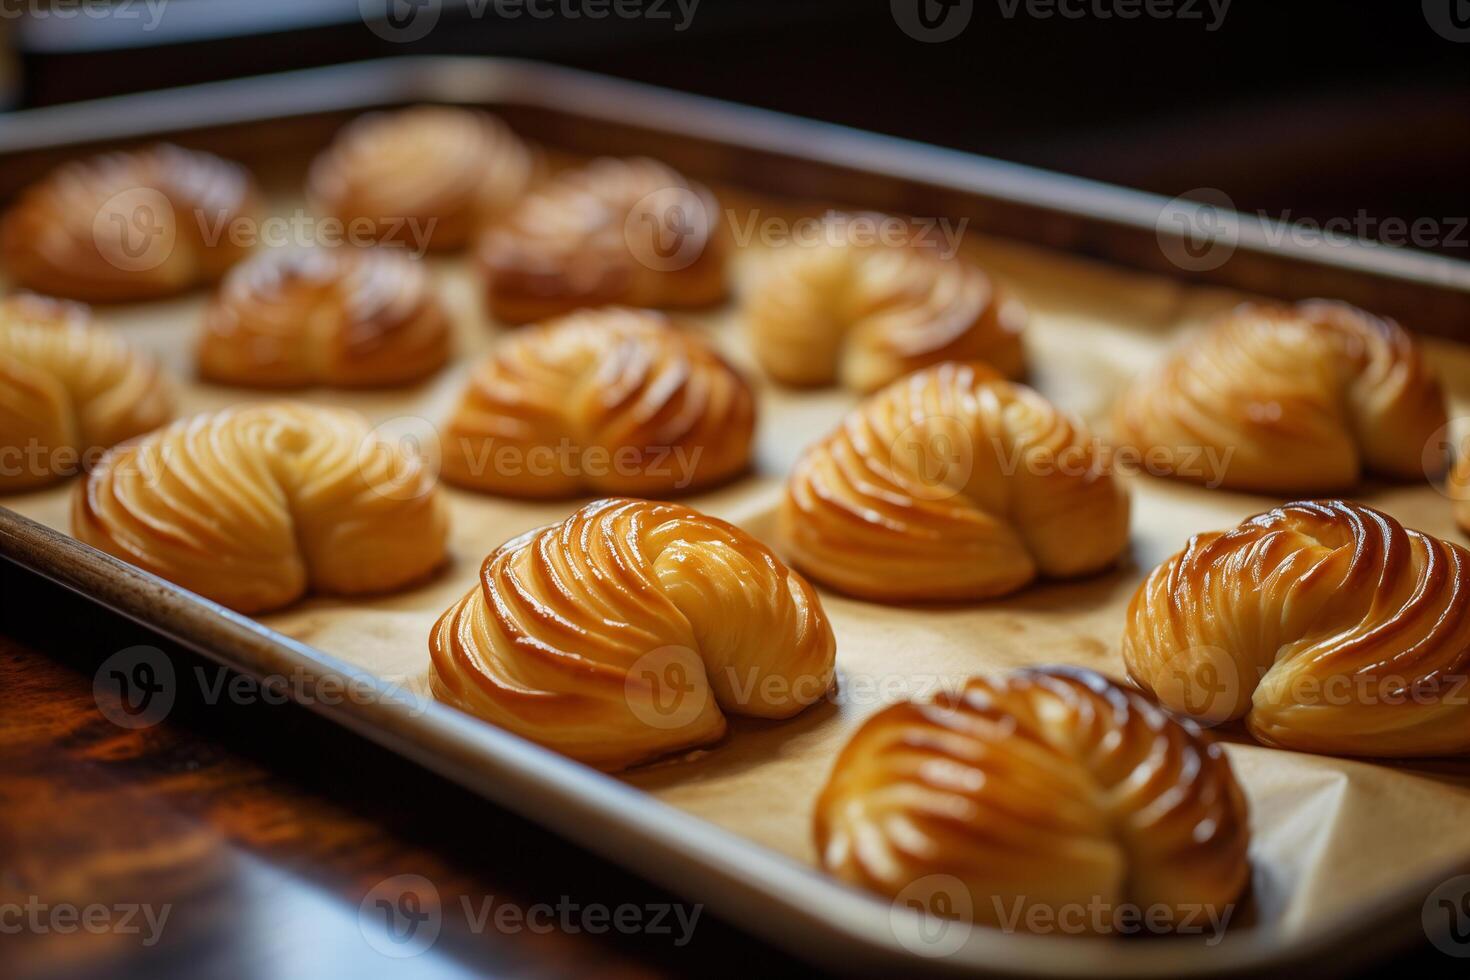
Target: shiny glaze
[333, 316]
[68, 388]
[953, 483]
[254, 505]
[1327, 626]
[623, 382]
[629, 631]
[863, 315]
[1304, 399]
[1046, 787]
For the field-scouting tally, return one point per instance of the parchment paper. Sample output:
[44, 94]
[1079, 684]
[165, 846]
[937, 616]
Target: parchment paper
[1329, 833]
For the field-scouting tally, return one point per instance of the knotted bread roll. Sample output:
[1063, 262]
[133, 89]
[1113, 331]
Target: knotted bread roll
[862, 314]
[426, 176]
[629, 631]
[1051, 788]
[333, 316]
[1298, 399]
[1326, 625]
[129, 226]
[630, 232]
[603, 401]
[68, 389]
[255, 505]
[953, 483]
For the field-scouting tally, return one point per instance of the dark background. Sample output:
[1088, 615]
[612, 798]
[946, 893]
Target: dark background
[1314, 109]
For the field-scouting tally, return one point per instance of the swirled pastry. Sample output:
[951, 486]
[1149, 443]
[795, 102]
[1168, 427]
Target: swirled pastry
[606, 401]
[629, 631]
[1051, 788]
[862, 315]
[952, 483]
[1327, 626]
[630, 232]
[334, 316]
[68, 389]
[254, 505]
[1287, 400]
[128, 226]
[430, 175]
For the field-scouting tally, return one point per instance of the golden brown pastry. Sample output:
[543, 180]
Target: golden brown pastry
[68, 389]
[1457, 485]
[602, 401]
[1298, 399]
[129, 226]
[1326, 625]
[631, 232]
[1051, 788]
[333, 316]
[863, 315]
[429, 174]
[953, 483]
[629, 631]
[255, 505]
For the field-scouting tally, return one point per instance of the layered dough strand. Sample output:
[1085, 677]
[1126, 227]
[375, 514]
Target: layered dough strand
[1052, 788]
[629, 631]
[863, 315]
[953, 483]
[1297, 399]
[345, 317]
[1327, 626]
[606, 401]
[68, 389]
[254, 505]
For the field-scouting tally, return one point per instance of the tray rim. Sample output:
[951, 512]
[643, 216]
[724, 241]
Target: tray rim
[820, 919]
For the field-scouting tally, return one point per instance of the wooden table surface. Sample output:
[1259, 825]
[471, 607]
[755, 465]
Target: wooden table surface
[237, 839]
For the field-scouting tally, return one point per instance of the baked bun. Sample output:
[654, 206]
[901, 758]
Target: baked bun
[254, 505]
[952, 483]
[128, 226]
[1326, 625]
[863, 315]
[630, 232]
[1277, 399]
[332, 316]
[68, 389]
[1050, 788]
[430, 175]
[628, 631]
[602, 401]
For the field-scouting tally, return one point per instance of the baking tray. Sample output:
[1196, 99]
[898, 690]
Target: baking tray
[273, 124]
